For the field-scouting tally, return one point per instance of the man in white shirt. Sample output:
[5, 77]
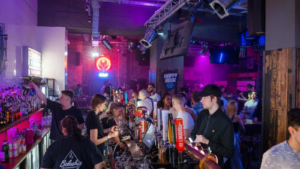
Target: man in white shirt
[286, 155]
[145, 101]
[129, 91]
[188, 122]
[250, 106]
[151, 91]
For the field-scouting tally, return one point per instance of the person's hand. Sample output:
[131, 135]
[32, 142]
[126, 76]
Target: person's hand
[113, 134]
[201, 139]
[112, 129]
[32, 84]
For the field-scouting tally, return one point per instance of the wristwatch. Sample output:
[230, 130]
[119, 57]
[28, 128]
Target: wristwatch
[108, 137]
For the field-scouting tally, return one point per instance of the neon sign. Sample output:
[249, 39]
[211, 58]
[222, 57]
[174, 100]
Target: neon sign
[103, 64]
[102, 74]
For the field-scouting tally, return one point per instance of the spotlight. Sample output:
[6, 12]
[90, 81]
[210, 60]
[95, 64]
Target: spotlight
[222, 9]
[204, 49]
[148, 38]
[161, 33]
[90, 20]
[107, 44]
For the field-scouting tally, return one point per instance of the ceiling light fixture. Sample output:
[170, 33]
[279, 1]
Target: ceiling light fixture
[106, 43]
[149, 37]
[222, 9]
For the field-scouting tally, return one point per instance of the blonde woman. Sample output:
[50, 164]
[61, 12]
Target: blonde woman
[232, 107]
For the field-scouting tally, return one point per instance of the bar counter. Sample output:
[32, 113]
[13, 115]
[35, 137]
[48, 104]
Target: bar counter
[15, 162]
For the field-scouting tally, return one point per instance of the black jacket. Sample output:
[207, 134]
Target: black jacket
[218, 129]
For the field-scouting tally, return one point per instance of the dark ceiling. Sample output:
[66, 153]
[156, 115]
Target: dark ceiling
[128, 20]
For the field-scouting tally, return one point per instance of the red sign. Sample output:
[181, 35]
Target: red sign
[179, 134]
[103, 64]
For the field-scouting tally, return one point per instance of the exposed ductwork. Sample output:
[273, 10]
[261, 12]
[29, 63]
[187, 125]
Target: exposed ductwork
[95, 23]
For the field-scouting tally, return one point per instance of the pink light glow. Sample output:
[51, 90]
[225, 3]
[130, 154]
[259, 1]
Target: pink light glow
[6, 135]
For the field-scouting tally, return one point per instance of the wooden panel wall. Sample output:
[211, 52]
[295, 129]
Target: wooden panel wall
[279, 93]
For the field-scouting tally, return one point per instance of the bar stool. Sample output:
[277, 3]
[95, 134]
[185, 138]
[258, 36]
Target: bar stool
[251, 141]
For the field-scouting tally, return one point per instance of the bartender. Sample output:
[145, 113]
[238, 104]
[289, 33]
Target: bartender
[72, 150]
[213, 128]
[94, 128]
[114, 113]
[59, 110]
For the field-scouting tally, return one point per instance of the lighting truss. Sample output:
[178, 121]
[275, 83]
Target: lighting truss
[164, 12]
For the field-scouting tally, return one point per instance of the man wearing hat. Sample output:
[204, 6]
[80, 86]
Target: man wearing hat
[213, 128]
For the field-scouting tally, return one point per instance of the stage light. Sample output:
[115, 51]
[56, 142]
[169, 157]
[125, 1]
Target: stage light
[222, 9]
[149, 37]
[107, 44]
[204, 49]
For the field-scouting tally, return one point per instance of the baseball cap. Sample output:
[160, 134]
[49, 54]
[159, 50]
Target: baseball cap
[211, 89]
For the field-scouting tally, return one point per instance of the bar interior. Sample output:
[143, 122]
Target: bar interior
[148, 84]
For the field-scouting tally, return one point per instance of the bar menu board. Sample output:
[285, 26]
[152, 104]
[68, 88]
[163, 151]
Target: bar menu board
[34, 63]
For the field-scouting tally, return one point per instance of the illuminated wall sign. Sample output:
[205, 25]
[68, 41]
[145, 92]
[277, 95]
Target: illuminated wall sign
[34, 63]
[103, 64]
[102, 74]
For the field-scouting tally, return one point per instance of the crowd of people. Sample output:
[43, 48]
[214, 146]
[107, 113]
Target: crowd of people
[211, 116]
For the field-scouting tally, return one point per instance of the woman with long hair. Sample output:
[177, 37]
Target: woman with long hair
[112, 119]
[232, 107]
[95, 131]
[73, 149]
[165, 102]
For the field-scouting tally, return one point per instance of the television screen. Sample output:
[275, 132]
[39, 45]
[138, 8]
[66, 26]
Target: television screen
[225, 55]
[179, 40]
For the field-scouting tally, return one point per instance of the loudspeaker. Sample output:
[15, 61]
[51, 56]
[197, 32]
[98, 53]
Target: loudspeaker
[77, 59]
[256, 17]
[74, 58]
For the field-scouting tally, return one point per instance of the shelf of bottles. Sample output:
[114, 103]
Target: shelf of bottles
[16, 103]
[23, 127]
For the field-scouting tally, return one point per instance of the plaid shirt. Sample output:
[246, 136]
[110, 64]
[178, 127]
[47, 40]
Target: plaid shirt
[198, 108]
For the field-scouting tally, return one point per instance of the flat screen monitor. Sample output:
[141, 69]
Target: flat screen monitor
[225, 55]
[149, 136]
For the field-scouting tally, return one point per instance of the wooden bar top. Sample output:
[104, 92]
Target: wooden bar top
[14, 162]
[7, 126]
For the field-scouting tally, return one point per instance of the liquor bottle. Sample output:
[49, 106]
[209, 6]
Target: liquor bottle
[170, 138]
[175, 151]
[4, 156]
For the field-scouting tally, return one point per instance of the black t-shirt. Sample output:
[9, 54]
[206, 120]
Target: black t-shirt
[93, 122]
[58, 114]
[71, 153]
[108, 123]
[246, 94]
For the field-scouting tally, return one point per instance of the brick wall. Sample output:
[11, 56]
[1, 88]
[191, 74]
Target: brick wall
[124, 66]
